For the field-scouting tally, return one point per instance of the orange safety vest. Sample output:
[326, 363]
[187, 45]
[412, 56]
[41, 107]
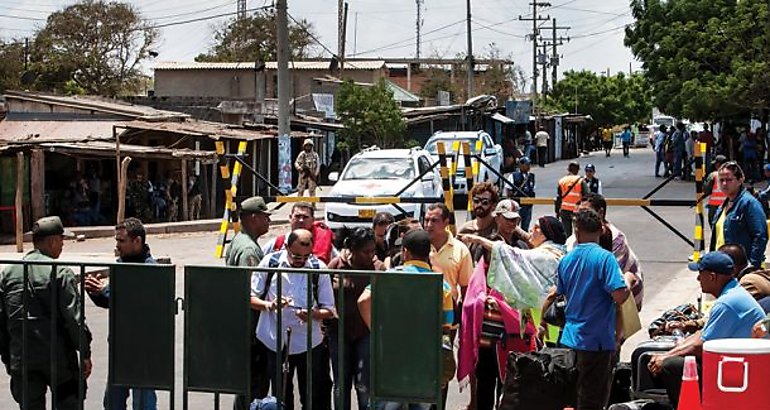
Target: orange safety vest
[717, 196]
[570, 201]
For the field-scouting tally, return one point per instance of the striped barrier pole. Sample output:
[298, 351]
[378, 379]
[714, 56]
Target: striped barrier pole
[469, 177]
[699, 242]
[229, 215]
[446, 185]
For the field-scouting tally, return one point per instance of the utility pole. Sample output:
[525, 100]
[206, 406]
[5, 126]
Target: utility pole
[284, 89]
[355, 36]
[533, 36]
[419, 28]
[469, 57]
[241, 9]
[343, 36]
[554, 43]
[544, 63]
[26, 54]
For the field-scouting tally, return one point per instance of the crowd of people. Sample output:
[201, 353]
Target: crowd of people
[501, 280]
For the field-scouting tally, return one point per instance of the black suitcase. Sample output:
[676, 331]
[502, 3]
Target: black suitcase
[644, 385]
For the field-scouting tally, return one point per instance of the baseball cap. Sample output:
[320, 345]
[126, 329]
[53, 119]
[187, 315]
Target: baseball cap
[525, 160]
[254, 204]
[49, 226]
[508, 209]
[717, 262]
[767, 167]
[590, 167]
[719, 159]
[308, 141]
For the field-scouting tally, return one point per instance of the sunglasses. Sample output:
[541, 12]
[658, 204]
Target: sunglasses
[482, 201]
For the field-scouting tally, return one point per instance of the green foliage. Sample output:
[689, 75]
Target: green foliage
[11, 64]
[99, 45]
[254, 37]
[705, 59]
[370, 116]
[619, 99]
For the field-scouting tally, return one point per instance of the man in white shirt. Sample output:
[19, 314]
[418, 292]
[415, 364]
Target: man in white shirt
[542, 138]
[296, 310]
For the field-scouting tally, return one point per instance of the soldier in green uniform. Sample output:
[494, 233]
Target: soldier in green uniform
[245, 251]
[47, 235]
[255, 222]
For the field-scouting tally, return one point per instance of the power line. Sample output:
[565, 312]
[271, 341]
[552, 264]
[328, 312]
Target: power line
[11, 16]
[177, 23]
[408, 40]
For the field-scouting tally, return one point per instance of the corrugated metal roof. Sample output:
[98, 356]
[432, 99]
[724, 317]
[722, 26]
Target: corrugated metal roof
[270, 65]
[51, 131]
[96, 104]
[208, 129]
[104, 148]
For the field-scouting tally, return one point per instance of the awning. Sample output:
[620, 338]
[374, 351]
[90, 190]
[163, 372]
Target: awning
[107, 149]
[16, 131]
[502, 118]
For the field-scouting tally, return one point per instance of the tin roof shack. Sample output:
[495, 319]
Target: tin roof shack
[478, 113]
[568, 134]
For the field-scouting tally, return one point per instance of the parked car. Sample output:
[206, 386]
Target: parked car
[378, 172]
[490, 153]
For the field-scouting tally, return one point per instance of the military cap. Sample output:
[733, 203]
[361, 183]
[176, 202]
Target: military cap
[254, 204]
[48, 226]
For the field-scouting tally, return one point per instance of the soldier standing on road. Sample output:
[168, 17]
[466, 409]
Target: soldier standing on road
[570, 191]
[245, 251]
[524, 180]
[594, 184]
[309, 167]
[541, 139]
[130, 242]
[47, 236]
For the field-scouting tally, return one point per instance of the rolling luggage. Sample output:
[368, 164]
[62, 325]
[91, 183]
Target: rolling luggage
[643, 384]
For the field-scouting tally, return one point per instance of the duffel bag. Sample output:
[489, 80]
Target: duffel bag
[544, 380]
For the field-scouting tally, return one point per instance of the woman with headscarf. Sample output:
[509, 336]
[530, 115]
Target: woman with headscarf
[516, 279]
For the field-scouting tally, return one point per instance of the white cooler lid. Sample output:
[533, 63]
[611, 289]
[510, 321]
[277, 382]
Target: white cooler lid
[732, 346]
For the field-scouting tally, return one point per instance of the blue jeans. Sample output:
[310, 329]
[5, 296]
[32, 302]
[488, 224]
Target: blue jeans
[526, 216]
[356, 362]
[660, 158]
[678, 156]
[142, 399]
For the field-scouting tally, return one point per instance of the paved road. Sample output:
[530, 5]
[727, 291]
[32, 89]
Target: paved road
[662, 254]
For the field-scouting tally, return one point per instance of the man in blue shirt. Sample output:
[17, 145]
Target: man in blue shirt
[660, 150]
[626, 137]
[733, 315]
[590, 279]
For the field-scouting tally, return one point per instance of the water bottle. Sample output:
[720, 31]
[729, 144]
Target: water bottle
[678, 335]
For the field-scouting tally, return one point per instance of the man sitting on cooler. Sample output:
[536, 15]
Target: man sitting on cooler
[733, 315]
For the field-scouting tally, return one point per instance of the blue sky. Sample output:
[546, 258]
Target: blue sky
[387, 28]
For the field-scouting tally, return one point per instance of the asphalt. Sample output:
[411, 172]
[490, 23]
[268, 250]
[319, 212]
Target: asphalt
[663, 257]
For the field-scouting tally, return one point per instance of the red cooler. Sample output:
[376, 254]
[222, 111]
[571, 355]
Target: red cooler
[736, 374]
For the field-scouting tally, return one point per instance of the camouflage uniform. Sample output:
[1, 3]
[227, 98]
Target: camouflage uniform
[308, 164]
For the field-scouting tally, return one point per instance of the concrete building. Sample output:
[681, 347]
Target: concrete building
[238, 81]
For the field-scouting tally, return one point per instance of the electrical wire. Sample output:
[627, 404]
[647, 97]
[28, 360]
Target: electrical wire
[409, 40]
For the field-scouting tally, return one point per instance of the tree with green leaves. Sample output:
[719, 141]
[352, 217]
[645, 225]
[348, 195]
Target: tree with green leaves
[370, 115]
[99, 45]
[254, 38]
[619, 99]
[11, 64]
[705, 59]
